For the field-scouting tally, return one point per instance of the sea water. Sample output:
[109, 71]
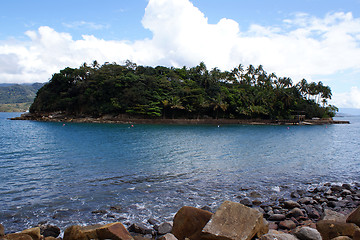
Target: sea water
[82, 173]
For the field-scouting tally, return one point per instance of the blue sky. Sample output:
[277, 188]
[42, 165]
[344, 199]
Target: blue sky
[318, 40]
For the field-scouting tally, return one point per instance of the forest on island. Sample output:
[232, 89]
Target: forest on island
[197, 92]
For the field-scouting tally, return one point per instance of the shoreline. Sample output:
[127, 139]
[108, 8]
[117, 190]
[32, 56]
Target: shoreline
[305, 208]
[126, 119]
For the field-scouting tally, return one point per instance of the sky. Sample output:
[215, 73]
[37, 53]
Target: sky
[318, 40]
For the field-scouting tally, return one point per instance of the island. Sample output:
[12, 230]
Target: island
[131, 93]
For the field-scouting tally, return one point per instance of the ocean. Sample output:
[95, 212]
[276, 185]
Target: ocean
[81, 173]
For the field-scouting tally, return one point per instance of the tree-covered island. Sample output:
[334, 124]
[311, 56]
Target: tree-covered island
[180, 93]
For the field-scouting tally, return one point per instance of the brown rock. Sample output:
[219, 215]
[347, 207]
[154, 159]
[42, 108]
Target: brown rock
[334, 216]
[34, 233]
[168, 236]
[272, 234]
[331, 229]
[307, 233]
[235, 221]
[74, 233]
[50, 238]
[114, 231]
[295, 212]
[290, 204]
[17, 236]
[342, 238]
[287, 224]
[189, 221]
[354, 217]
[2, 230]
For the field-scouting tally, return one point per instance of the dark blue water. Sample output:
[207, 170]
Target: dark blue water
[59, 173]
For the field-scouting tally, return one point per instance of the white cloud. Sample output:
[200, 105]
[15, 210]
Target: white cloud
[84, 24]
[303, 46]
[348, 100]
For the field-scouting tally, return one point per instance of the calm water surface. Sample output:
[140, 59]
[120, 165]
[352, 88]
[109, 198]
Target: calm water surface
[60, 174]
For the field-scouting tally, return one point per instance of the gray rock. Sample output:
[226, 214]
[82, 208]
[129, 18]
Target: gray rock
[272, 234]
[307, 233]
[295, 212]
[254, 194]
[165, 228]
[305, 200]
[246, 202]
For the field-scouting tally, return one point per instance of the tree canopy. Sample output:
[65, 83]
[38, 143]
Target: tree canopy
[162, 92]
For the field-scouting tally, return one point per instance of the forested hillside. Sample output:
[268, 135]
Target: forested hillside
[196, 92]
[16, 97]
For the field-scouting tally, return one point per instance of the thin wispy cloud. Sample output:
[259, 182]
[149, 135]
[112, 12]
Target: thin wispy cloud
[84, 24]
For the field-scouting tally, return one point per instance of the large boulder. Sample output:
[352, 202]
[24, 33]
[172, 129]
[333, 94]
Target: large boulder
[34, 233]
[17, 236]
[188, 223]
[354, 217]
[334, 216]
[330, 229]
[74, 233]
[235, 221]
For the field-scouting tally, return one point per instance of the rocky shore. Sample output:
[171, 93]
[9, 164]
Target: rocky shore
[329, 211]
[126, 119]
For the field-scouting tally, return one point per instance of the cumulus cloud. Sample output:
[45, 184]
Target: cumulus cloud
[303, 46]
[349, 99]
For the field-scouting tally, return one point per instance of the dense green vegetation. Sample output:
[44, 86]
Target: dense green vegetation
[196, 92]
[16, 97]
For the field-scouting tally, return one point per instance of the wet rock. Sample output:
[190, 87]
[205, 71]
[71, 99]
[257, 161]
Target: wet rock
[207, 208]
[246, 202]
[287, 224]
[273, 226]
[74, 233]
[255, 194]
[332, 204]
[354, 217]
[256, 202]
[49, 231]
[290, 204]
[189, 221]
[235, 221]
[330, 229]
[295, 212]
[294, 195]
[277, 217]
[336, 188]
[17, 236]
[168, 236]
[334, 216]
[272, 234]
[116, 208]
[99, 212]
[346, 186]
[165, 228]
[153, 221]
[307, 233]
[345, 192]
[34, 233]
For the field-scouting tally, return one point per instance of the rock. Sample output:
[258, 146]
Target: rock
[331, 229]
[334, 216]
[255, 194]
[307, 233]
[336, 188]
[273, 226]
[346, 186]
[99, 212]
[312, 212]
[246, 202]
[140, 228]
[50, 238]
[74, 233]
[2, 230]
[354, 217]
[272, 234]
[34, 233]
[290, 204]
[295, 212]
[332, 204]
[294, 195]
[256, 202]
[305, 200]
[235, 221]
[277, 217]
[17, 236]
[189, 221]
[165, 228]
[345, 192]
[168, 236]
[207, 208]
[49, 231]
[153, 222]
[116, 208]
[342, 238]
[114, 231]
[287, 224]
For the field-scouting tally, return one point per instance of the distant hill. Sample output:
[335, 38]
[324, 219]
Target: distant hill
[17, 97]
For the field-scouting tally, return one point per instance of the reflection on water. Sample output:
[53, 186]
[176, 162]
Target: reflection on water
[56, 173]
